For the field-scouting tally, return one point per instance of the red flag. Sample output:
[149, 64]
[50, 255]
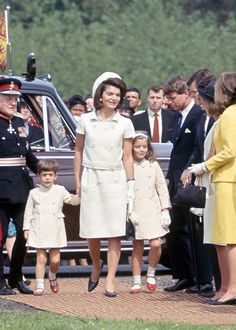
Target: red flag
[3, 42]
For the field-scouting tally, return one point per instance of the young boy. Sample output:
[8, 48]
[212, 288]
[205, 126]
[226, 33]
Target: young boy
[44, 222]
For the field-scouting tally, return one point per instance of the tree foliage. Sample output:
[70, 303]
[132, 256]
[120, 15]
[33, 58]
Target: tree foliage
[145, 41]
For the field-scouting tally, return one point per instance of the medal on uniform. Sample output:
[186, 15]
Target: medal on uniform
[10, 128]
[21, 131]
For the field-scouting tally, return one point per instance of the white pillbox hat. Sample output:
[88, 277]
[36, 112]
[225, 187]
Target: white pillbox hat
[104, 76]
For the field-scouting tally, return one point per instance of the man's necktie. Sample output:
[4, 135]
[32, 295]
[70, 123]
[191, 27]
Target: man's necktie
[179, 122]
[155, 137]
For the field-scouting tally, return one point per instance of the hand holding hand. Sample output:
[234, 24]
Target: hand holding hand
[198, 169]
[165, 219]
[26, 234]
[130, 195]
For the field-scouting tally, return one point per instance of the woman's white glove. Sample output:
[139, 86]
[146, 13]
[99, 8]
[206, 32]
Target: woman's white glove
[130, 195]
[198, 169]
[165, 219]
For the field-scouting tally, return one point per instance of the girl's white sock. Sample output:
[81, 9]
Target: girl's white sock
[52, 276]
[151, 275]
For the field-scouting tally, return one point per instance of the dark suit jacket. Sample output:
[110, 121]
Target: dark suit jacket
[183, 144]
[197, 155]
[141, 123]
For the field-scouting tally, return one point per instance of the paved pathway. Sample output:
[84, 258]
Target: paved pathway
[73, 299]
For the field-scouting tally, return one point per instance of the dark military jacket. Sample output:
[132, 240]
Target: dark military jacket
[15, 181]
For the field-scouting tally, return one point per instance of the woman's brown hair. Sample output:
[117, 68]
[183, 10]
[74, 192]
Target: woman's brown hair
[116, 82]
[225, 90]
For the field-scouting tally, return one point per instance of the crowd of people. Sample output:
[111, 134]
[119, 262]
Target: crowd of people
[117, 175]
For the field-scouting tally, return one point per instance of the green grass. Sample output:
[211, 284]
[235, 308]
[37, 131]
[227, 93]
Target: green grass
[44, 321]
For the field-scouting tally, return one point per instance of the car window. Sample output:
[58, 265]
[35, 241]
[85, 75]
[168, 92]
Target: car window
[56, 136]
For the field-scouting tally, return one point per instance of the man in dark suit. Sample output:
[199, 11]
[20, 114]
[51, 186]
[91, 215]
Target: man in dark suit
[205, 253]
[187, 118]
[15, 182]
[156, 122]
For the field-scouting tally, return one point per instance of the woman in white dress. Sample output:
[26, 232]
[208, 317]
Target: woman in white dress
[104, 150]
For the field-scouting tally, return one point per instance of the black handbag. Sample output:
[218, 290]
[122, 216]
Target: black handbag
[129, 230]
[190, 196]
[129, 227]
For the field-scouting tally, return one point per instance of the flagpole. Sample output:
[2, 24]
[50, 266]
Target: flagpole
[9, 49]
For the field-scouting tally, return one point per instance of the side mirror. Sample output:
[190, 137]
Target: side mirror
[31, 67]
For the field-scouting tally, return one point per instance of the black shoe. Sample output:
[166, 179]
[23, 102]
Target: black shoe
[92, 285]
[110, 294]
[204, 288]
[180, 285]
[21, 287]
[208, 294]
[231, 301]
[6, 291]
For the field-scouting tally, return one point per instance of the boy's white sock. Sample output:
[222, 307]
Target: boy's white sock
[137, 279]
[40, 283]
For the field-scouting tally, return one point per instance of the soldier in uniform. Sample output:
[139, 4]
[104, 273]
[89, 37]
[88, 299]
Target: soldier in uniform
[15, 182]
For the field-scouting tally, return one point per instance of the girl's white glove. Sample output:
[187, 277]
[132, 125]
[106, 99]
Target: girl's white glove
[165, 219]
[198, 169]
[130, 195]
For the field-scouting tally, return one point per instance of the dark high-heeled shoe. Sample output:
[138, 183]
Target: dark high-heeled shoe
[92, 285]
[110, 294]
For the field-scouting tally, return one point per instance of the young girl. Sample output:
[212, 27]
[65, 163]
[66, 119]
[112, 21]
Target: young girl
[44, 226]
[151, 207]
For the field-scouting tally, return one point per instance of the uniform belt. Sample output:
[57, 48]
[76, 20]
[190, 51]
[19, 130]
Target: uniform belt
[17, 161]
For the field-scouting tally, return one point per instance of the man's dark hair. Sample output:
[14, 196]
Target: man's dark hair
[175, 84]
[75, 99]
[134, 89]
[156, 88]
[201, 77]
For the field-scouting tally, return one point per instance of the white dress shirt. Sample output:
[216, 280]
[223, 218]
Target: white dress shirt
[186, 111]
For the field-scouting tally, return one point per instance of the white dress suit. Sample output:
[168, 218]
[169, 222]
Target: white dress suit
[103, 182]
[151, 196]
[44, 217]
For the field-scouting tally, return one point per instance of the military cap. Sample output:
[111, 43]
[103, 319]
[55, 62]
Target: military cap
[9, 86]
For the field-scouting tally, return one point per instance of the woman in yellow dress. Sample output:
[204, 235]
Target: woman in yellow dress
[223, 168]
